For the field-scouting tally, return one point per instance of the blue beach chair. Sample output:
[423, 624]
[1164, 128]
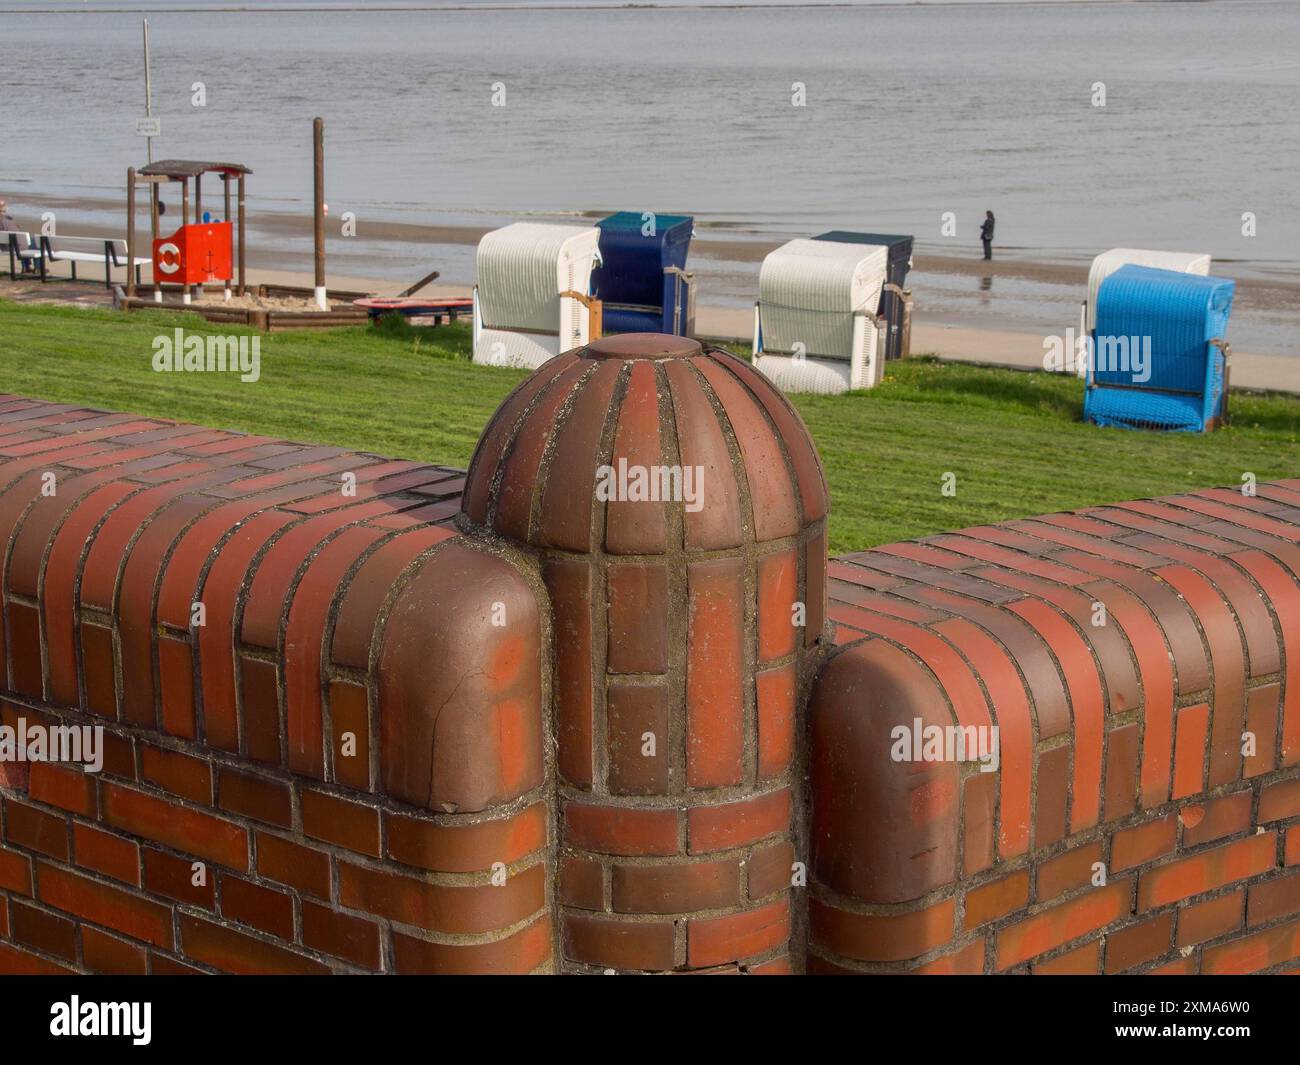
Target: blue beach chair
[1159, 359]
[642, 279]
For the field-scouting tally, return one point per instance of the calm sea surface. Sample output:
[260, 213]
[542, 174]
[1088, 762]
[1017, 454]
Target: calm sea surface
[911, 112]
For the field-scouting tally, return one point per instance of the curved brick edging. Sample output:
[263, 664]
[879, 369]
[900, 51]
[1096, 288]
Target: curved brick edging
[346, 742]
[1121, 744]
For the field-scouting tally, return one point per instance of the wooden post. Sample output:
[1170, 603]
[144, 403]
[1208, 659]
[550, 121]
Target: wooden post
[130, 232]
[155, 187]
[906, 345]
[185, 220]
[198, 217]
[318, 159]
[241, 234]
[225, 188]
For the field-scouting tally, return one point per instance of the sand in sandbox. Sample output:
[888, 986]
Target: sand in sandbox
[250, 302]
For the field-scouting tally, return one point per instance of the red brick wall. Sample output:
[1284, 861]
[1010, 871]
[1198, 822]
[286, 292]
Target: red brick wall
[404, 740]
[320, 777]
[1124, 830]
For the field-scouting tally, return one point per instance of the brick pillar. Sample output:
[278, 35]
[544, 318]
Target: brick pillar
[683, 637]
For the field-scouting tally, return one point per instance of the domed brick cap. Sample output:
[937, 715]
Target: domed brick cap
[559, 466]
[685, 628]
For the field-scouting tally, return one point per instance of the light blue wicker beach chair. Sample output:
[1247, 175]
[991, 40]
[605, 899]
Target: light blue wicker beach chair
[1158, 356]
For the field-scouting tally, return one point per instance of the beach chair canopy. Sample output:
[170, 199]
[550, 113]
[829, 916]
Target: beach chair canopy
[1108, 262]
[638, 278]
[523, 268]
[1153, 363]
[521, 315]
[900, 247]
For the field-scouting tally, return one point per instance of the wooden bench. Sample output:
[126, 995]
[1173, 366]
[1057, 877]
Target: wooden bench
[87, 249]
[20, 250]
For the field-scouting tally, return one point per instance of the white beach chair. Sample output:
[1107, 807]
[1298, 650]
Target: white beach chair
[815, 324]
[532, 300]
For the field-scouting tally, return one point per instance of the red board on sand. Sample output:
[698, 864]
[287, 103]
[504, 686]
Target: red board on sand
[414, 305]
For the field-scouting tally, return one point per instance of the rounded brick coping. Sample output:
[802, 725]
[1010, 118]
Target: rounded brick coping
[643, 346]
[318, 574]
[1125, 654]
[331, 616]
[655, 446]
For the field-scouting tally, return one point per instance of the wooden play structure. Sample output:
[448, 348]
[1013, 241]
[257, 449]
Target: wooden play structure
[209, 251]
[199, 252]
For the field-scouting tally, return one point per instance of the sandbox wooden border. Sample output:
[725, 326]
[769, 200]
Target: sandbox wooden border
[266, 320]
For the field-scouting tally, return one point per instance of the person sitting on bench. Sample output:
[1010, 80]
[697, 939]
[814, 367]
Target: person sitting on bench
[8, 225]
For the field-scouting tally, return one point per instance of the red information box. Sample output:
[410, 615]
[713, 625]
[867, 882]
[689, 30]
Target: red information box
[195, 254]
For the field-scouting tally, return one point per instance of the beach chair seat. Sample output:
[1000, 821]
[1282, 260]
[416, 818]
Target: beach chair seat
[1158, 357]
[1133, 408]
[532, 300]
[642, 281]
[815, 323]
[502, 347]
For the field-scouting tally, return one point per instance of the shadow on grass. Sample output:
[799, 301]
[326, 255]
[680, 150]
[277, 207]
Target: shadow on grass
[442, 342]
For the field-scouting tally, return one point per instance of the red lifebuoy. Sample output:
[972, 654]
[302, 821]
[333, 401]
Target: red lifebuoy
[168, 258]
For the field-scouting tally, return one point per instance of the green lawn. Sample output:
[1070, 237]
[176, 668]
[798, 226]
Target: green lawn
[1013, 440]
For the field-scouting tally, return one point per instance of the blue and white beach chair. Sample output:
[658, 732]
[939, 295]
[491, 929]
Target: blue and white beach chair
[895, 308]
[1158, 358]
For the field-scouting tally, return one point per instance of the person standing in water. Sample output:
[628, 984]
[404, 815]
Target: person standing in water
[986, 234]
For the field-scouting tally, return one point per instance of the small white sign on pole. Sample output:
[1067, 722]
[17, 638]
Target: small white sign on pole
[148, 127]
